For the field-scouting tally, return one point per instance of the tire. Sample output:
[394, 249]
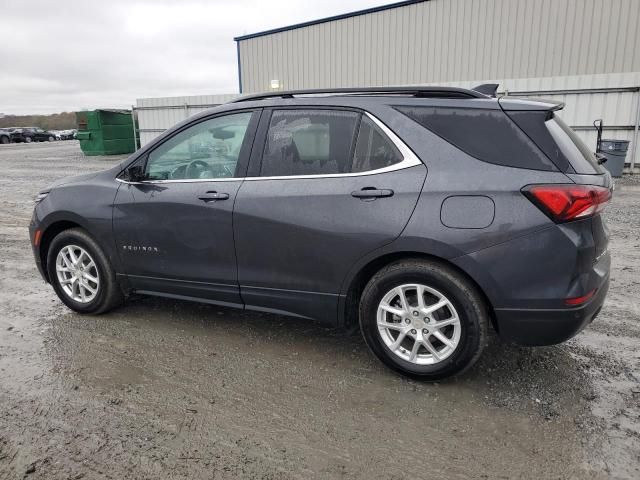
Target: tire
[108, 294]
[27, 139]
[51, 139]
[4, 140]
[466, 337]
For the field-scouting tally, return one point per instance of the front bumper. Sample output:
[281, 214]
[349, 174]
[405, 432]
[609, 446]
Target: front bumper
[548, 327]
[36, 251]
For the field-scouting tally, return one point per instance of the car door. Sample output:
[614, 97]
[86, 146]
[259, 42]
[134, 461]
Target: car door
[173, 229]
[39, 135]
[330, 186]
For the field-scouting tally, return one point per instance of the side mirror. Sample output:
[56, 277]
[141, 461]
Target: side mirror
[134, 173]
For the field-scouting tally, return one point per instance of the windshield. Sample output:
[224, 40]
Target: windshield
[582, 159]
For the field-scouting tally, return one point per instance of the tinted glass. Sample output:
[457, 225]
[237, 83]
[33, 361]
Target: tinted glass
[374, 150]
[533, 124]
[309, 142]
[581, 157]
[488, 135]
[209, 149]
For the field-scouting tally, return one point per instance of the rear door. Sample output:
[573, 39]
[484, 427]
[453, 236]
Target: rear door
[174, 229]
[328, 187]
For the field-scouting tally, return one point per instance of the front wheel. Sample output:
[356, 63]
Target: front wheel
[51, 139]
[423, 319]
[81, 274]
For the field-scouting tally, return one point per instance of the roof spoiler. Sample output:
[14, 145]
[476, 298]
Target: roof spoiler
[487, 89]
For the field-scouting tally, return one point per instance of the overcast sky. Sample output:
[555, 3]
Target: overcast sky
[68, 55]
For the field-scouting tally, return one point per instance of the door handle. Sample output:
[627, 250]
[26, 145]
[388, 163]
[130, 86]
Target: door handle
[372, 192]
[213, 196]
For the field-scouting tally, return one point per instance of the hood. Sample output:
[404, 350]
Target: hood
[71, 179]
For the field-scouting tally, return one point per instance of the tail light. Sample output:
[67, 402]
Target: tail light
[564, 203]
[580, 300]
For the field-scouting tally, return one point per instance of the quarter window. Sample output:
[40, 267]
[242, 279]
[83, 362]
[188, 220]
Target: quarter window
[207, 150]
[374, 150]
[309, 142]
[488, 135]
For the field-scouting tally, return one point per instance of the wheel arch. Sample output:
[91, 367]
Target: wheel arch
[348, 313]
[48, 234]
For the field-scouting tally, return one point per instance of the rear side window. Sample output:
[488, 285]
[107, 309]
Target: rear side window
[488, 135]
[581, 157]
[374, 150]
[309, 142]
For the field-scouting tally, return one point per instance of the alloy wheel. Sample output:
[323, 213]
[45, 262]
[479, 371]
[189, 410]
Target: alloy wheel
[77, 274]
[418, 324]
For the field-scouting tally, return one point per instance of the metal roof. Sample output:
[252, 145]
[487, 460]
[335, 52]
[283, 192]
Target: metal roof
[357, 13]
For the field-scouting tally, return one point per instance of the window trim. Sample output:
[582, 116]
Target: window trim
[409, 159]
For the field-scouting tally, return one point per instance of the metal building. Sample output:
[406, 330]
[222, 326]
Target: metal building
[583, 52]
[155, 115]
[435, 41]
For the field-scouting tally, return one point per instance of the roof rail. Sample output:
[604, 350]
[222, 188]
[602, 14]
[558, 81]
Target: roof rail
[414, 91]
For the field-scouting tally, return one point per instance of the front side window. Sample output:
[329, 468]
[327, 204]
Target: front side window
[309, 142]
[207, 150]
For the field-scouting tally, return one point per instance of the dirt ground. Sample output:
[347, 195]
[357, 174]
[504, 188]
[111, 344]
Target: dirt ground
[168, 389]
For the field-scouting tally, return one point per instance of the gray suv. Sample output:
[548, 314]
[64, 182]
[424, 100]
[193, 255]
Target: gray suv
[424, 215]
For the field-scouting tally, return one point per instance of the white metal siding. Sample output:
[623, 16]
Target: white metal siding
[449, 40]
[157, 114]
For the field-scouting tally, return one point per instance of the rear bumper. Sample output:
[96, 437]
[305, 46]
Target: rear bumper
[548, 327]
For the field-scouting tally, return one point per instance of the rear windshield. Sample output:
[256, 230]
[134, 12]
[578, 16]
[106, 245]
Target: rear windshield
[582, 159]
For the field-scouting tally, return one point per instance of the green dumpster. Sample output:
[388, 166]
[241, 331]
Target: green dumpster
[105, 132]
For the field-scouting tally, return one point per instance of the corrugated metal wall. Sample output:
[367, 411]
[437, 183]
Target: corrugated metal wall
[155, 115]
[614, 98]
[449, 40]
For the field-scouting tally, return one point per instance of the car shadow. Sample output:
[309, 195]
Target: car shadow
[506, 375]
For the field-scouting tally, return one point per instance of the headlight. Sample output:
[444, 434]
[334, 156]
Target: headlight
[41, 196]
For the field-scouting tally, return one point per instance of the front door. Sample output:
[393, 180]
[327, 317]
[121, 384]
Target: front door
[174, 229]
[332, 186]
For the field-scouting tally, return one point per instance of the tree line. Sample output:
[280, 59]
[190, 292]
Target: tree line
[56, 121]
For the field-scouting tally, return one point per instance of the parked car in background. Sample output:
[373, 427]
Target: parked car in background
[423, 215]
[32, 134]
[67, 134]
[5, 136]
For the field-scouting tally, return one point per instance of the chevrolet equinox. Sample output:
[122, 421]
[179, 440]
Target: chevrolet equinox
[425, 215]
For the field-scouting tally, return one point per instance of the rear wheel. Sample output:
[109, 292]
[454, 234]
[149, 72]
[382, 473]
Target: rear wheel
[4, 140]
[81, 274]
[423, 319]
[51, 139]
[27, 139]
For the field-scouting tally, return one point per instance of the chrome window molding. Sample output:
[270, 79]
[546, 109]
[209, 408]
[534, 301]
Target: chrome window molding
[409, 159]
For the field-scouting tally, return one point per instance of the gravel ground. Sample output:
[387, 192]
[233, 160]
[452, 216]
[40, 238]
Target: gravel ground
[166, 389]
